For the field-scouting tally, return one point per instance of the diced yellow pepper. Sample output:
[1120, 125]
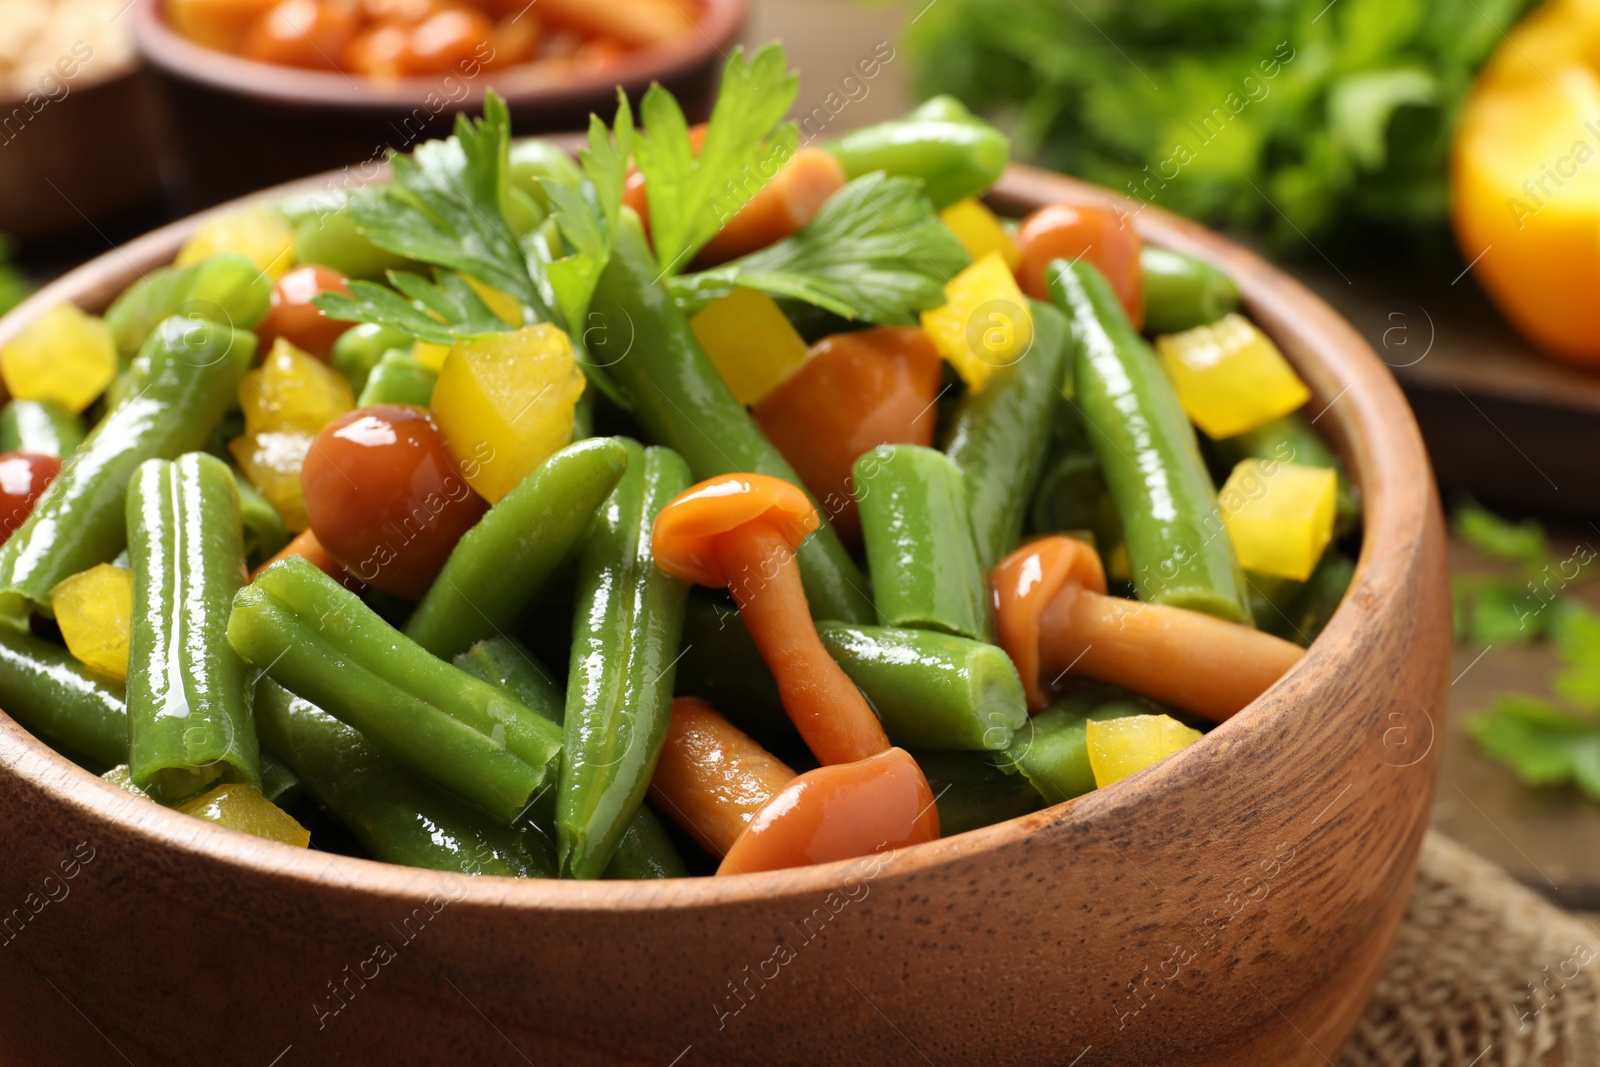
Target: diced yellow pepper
[285, 403]
[980, 231]
[751, 343]
[240, 806]
[293, 390]
[503, 304]
[1279, 515]
[272, 461]
[430, 355]
[985, 324]
[121, 777]
[505, 402]
[94, 609]
[258, 234]
[63, 355]
[1120, 747]
[1230, 377]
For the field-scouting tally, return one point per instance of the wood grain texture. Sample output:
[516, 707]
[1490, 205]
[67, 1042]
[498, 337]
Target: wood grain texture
[1232, 905]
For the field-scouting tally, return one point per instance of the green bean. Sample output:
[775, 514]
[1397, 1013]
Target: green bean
[325, 232]
[931, 690]
[1051, 749]
[1320, 597]
[193, 379]
[645, 850]
[971, 792]
[1270, 599]
[60, 700]
[1292, 439]
[264, 532]
[319, 640]
[506, 664]
[920, 549]
[999, 436]
[396, 817]
[398, 379]
[42, 427]
[227, 290]
[535, 161]
[723, 667]
[359, 349]
[189, 715]
[680, 400]
[1072, 496]
[1178, 551]
[1182, 292]
[278, 782]
[626, 631]
[955, 154]
[499, 565]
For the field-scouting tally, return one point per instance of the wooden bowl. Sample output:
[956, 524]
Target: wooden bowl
[1231, 905]
[241, 124]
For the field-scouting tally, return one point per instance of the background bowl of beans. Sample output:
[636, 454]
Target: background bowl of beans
[263, 91]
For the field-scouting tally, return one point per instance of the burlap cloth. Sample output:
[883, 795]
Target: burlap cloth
[1485, 973]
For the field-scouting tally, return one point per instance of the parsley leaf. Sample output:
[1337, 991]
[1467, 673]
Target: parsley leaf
[439, 314]
[690, 197]
[1541, 743]
[875, 252]
[586, 216]
[1522, 542]
[446, 206]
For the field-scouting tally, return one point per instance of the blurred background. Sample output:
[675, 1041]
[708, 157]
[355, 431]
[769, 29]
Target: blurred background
[1428, 166]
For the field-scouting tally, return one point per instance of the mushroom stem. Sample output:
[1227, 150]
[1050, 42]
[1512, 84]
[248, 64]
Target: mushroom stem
[1053, 616]
[712, 778]
[824, 704]
[1195, 661]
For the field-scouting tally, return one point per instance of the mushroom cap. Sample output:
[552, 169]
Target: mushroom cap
[687, 529]
[1023, 584]
[839, 812]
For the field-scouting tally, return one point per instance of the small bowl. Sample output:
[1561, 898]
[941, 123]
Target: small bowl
[1232, 905]
[241, 124]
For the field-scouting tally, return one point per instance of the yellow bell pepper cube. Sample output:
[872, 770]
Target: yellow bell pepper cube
[63, 355]
[1120, 747]
[293, 390]
[94, 609]
[505, 402]
[1279, 516]
[1229, 376]
[240, 806]
[272, 459]
[985, 323]
[258, 234]
[751, 343]
[980, 231]
[505, 306]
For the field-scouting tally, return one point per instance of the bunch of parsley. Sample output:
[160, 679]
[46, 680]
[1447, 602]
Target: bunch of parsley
[1290, 118]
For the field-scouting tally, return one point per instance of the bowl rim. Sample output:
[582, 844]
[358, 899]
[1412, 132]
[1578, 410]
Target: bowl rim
[1372, 429]
[528, 83]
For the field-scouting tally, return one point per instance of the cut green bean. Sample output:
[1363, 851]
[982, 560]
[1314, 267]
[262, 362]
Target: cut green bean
[499, 565]
[931, 690]
[42, 427]
[396, 817]
[971, 792]
[60, 700]
[723, 667]
[680, 400]
[193, 379]
[189, 716]
[999, 436]
[645, 850]
[1320, 597]
[360, 348]
[1073, 496]
[398, 379]
[920, 549]
[228, 290]
[1178, 551]
[278, 782]
[505, 663]
[626, 633]
[1182, 292]
[319, 640]
[955, 153]
[1051, 750]
[264, 532]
